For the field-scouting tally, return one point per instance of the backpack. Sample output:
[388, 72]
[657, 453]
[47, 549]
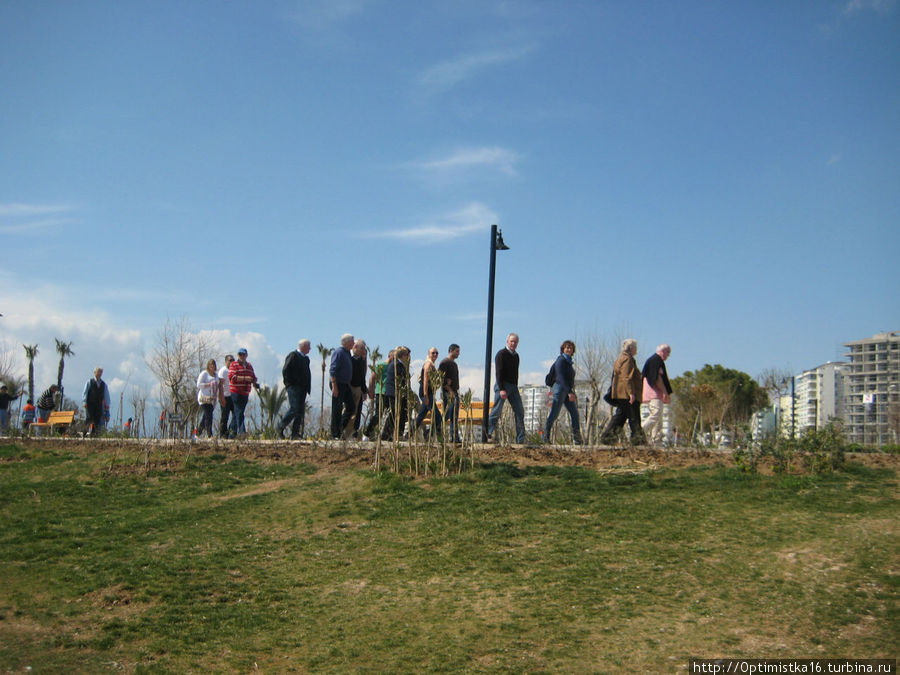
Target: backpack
[550, 379]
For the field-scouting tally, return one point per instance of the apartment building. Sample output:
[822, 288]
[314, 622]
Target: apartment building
[819, 395]
[872, 396]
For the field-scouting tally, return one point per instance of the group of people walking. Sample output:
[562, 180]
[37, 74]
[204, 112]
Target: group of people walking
[387, 389]
[230, 387]
[628, 389]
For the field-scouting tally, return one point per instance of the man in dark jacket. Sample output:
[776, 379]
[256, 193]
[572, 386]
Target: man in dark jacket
[95, 399]
[297, 380]
[507, 387]
[656, 391]
[341, 372]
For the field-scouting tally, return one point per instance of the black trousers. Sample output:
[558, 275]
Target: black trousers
[342, 409]
[225, 409]
[625, 412]
[390, 404]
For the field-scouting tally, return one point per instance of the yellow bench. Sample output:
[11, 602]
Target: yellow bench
[57, 417]
[475, 412]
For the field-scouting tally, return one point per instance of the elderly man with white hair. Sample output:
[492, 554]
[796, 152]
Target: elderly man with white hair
[656, 392]
[297, 379]
[341, 373]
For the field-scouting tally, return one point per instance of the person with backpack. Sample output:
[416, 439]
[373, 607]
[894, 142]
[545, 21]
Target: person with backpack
[561, 380]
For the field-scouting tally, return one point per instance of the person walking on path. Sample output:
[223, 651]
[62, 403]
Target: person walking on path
[426, 392]
[297, 381]
[241, 379]
[626, 393]
[207, 387]
[396, 391]
[563, 392]
[506, 388]
[226, 405]
[96, 401]
[656, 392]
[5, 399]
[341, 372]
[450, 392]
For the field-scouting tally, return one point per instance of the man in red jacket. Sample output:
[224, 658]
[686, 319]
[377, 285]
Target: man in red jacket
[241, 379]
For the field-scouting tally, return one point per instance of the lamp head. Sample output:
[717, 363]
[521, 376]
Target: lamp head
[498, 244]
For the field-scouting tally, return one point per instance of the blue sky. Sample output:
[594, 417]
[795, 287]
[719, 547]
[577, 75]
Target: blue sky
[720, 176]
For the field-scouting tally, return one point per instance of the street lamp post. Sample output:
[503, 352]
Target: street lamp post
[496, 245]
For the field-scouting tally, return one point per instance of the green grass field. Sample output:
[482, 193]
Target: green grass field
[230, 565]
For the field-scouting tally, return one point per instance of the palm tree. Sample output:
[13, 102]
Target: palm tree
[375, 355]
[31, 351]
[64, 349]
[324, 352]
[271, 401]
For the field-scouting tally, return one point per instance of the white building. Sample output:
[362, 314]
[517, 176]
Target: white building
[872, 396]
[819, 395]
[534, 400]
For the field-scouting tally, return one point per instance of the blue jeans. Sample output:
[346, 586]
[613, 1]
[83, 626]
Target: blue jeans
[4, 420]
[424, 409]
[237, 418]
[560, 399]
[512, 395]
[297, 410]
[451, 414]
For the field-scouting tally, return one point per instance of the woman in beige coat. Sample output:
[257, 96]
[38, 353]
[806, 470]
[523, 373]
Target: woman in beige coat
[626, 393]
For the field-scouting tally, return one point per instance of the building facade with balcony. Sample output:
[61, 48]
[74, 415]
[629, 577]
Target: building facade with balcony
[872, 399]
[819, 396]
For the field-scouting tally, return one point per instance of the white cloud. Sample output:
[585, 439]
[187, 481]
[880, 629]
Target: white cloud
[34, 225]
[878, 6]
[18, 218]
[18, 210]
[475, 217]
[450, 73]
[834, 159]
[38, 315]
[469, 158]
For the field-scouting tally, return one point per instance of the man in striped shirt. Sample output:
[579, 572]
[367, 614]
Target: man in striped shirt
[241, 379]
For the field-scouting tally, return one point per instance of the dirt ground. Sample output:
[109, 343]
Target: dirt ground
[334, 455]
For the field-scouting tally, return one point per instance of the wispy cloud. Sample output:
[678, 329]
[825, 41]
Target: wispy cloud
[834, 159]
[879, 6]
[18, 218]
[450, 73]
[18, 210]
[321, 15]
[475, 217]
[34, 225]
[468, 158]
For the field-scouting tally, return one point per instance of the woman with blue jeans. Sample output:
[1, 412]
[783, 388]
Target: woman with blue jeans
[564, 392]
